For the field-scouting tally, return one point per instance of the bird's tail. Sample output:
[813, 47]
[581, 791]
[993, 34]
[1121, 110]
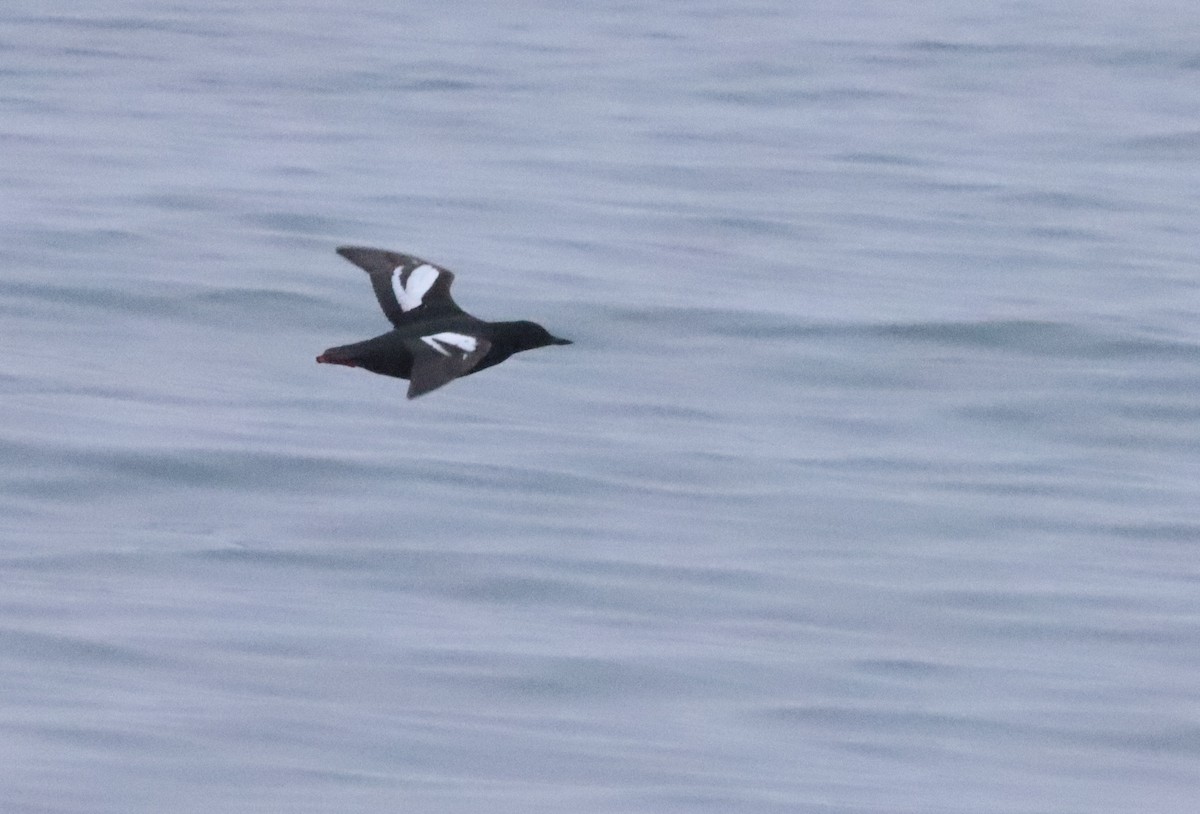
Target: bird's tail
[336, 356]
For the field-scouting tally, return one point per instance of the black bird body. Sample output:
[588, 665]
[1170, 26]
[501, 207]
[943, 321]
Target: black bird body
[434, 341]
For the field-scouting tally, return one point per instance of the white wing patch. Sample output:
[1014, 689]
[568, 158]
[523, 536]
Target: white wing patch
[438, 342]
[420, 280]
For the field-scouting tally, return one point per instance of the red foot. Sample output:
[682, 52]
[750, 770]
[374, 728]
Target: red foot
[323, 359]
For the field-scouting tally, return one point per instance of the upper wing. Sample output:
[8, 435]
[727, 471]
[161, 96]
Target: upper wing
[442, 357]
[404, 283]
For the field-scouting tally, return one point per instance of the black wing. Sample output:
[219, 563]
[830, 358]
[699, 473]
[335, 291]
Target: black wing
[442, 357]
[404, 284]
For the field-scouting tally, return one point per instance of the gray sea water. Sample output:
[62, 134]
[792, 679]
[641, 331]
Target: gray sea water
[871, 484]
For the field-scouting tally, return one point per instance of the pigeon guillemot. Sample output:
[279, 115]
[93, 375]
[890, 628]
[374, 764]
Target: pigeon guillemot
[434, 340]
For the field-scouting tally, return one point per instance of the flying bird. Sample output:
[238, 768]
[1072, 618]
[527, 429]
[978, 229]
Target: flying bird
[433, 341]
